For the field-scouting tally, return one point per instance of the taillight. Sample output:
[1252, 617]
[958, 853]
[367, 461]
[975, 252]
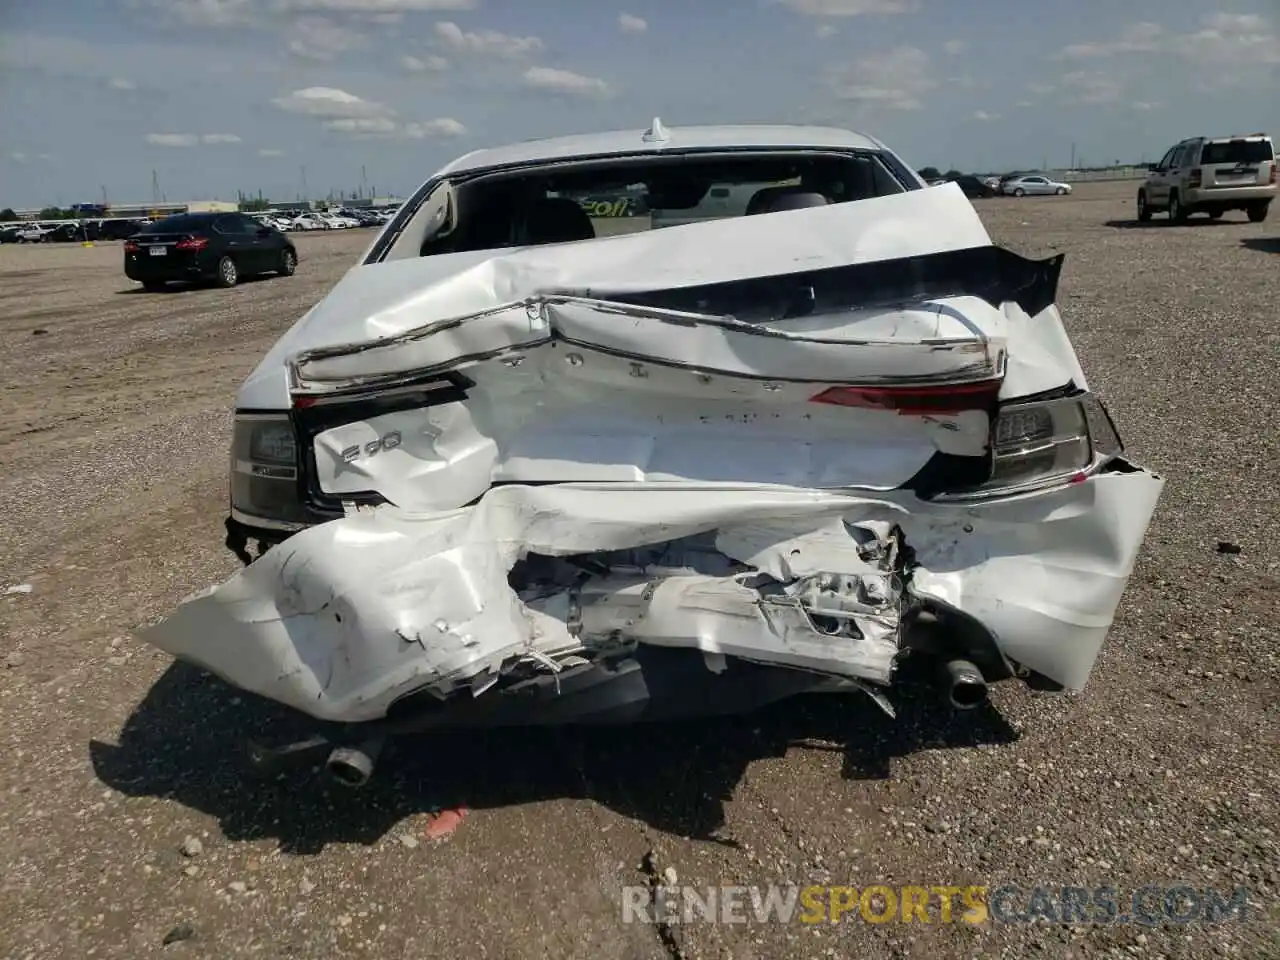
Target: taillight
[1273, 172]
[1196, 176]
[130, 246]
[191, 243]
[1045, 443]
[951, 398]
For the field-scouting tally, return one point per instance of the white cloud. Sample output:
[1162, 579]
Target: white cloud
[18, 157]
[270, 152]
[1234, 38]
[172, 139]
[387, 127]
[366, 125]
[1145, 105]
[486, 42]
[120, 83]
[1041, 89]
[847, 8]
[825, 31]
[954, 47]
[1093, 86]
[1023, 104]
[316, 38]
[431, 63]
[1135, 38]
[377, 7]
[219, 138]
[898, 79]
[1231, 38]
[439, 127]
[984, 116]
[330, 102]
[629, 24]
[565, 81]
[206, 13]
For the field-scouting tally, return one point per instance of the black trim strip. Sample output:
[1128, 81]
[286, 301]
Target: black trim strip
[995, 274]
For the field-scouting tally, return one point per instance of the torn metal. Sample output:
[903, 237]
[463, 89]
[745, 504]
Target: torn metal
[788, 443]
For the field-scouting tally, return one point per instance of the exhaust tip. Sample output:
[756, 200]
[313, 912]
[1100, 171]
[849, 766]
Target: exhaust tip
[353, 766]
[966, 686]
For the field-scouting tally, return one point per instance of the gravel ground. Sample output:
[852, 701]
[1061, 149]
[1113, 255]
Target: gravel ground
[115, 761]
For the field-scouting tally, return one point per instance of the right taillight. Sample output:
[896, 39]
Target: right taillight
[1045, 443]
[191, 243]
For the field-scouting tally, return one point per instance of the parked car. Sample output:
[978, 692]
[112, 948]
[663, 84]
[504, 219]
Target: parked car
[222, 247]
[310, 221]
[1034, 185]
[973, 187]
[35, 233]
[505, 473]
[1212, 175]
[9, 233]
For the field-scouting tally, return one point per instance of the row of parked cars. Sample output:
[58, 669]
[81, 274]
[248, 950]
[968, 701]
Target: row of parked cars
[287, 222]
[70, 231]
[1010, 185]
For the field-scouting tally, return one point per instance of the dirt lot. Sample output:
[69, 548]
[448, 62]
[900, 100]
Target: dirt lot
[113, 432]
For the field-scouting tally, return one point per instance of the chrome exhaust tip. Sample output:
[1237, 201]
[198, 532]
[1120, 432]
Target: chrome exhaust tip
[965, 685]
[353, 766]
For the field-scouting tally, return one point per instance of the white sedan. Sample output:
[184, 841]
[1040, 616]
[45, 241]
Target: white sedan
[1034, 186]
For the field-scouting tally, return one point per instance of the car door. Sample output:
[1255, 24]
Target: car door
[1037, 185]
[266, 243]
[1158, 180]
[1178, 166]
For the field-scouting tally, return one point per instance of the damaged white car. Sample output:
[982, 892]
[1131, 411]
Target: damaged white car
[512, 470]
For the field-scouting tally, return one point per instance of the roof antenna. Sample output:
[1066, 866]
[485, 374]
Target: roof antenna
[656, 133]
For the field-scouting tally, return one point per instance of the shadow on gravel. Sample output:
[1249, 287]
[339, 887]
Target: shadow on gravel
[1262, 244]
[1163, 222]
[186, 741]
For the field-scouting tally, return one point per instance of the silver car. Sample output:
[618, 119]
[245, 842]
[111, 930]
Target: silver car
[1034, 185]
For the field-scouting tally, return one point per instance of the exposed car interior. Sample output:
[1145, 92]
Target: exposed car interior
[529, 207]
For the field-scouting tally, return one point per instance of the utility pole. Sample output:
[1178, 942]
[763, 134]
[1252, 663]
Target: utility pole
[155, 186]
[303, 172]
[1073, 154]
[364, 182]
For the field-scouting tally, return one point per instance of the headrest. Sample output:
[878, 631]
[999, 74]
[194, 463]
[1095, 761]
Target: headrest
[557, 220]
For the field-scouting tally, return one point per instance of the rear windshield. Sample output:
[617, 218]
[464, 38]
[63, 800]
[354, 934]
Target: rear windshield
[598, 198]
[183, 223]
[1237, 151]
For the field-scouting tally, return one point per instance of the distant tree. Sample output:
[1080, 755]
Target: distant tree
[953, 173]
[929, 173]
[252, 204]
[7, 215]
[52, 213]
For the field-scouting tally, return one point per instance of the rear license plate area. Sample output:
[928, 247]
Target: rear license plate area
[158, 251]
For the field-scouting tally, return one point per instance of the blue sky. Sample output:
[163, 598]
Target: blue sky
[221, 95]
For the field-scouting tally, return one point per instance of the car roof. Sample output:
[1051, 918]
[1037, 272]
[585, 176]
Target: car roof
[677, 138]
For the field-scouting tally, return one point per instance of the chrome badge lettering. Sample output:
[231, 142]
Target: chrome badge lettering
[388, 441]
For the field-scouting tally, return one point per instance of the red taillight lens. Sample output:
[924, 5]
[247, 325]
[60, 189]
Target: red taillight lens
[1195, 177]
[951, 398]
[130, 246]
[191, 243]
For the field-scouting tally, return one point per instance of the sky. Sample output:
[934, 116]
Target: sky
[287, 96]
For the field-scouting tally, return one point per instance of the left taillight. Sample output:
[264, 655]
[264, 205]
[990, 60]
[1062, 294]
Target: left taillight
[264, 469]
[1196, 177]
[130, 246]
[191, 243]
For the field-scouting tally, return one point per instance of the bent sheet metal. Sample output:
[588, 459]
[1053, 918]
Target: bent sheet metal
[683, 440]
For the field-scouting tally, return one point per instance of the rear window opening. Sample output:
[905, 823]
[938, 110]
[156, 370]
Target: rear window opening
[584, 200]
[1237, 152]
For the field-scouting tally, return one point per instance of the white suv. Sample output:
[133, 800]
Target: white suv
[1212, 175]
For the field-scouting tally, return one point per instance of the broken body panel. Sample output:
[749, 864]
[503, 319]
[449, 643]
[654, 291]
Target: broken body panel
[764, 441]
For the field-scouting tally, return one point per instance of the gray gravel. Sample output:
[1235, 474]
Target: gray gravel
[128, 818]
